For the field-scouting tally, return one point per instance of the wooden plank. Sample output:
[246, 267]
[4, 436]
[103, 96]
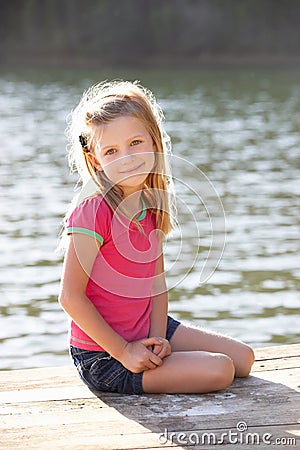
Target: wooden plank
[47, 437]
[276, 404]
[276, 364]
[39, 378]
[182, 414]
[50, 407]
[289, 377]
[277, 351]
[285, 377]
[65, 375]
[41, 388]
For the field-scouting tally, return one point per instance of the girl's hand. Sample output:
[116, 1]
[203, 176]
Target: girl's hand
[137, 357]
[163, 348]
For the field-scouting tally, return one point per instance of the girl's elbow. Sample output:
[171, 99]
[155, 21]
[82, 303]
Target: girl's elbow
[64, 300]
[70, 300]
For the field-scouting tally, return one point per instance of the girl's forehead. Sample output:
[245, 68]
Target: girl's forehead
[120, 127]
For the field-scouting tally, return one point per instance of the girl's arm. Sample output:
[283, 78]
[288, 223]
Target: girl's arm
[159, 313]
[80, 256]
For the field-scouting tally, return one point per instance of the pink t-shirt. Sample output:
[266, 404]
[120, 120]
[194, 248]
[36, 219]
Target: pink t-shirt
[120, 283]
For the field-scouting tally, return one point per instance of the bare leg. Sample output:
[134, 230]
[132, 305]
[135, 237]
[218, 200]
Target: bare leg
[190, 372]
[192, 339]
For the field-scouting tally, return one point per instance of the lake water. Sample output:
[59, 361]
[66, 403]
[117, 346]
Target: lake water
[236, 146]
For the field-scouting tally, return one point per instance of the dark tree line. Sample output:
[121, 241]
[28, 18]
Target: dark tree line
[148, 31]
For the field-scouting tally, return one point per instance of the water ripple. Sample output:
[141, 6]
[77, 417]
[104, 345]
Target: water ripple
[240, 129]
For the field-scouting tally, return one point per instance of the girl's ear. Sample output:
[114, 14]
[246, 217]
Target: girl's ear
[94, 161]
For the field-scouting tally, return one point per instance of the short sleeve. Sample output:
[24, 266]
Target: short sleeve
[91, 217]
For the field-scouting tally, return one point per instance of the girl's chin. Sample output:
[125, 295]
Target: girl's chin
[136, 180]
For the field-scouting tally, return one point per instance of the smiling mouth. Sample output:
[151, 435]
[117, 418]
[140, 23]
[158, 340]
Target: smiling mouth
[133, 169]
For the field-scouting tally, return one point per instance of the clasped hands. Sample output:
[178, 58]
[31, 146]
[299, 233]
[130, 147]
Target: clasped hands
[145, 354]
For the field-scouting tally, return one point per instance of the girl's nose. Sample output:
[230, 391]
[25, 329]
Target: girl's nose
[126, 156]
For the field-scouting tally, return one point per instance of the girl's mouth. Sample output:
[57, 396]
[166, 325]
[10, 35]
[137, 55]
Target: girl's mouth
[132, 169]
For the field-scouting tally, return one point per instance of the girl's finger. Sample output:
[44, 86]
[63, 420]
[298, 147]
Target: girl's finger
[151, 341]
[155, 359]
[150, 366]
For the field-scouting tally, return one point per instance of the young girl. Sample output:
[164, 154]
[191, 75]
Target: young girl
[113, 286]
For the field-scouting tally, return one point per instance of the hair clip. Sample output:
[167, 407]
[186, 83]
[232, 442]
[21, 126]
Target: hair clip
[83, 140]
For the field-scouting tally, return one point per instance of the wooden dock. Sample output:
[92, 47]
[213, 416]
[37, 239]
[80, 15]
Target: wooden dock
[50, 408]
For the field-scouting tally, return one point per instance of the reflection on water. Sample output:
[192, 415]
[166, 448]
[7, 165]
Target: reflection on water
[240, 129]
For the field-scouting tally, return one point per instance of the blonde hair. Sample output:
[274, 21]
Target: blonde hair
[102, 103]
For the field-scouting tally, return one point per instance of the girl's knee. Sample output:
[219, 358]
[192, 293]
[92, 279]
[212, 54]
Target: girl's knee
[247, 359]
[223, 373]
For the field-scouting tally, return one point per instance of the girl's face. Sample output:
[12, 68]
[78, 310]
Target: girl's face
[125, 152]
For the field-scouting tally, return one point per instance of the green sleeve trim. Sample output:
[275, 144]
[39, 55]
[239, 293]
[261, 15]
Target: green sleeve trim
[144, 211]
[87, 232]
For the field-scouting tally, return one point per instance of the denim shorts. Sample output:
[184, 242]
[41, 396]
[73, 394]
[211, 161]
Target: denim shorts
[102, 373]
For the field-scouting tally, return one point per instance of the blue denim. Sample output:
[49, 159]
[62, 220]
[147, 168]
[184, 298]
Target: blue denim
[102, 373]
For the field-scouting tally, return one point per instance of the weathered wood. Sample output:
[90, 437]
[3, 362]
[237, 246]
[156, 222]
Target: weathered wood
[45, 377]
[277, 364]
[277, 352]
[150, 440]
[51, 408]
[38, 378]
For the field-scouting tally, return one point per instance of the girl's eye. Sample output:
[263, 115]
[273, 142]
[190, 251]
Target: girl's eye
[110, 151]
[135, 142]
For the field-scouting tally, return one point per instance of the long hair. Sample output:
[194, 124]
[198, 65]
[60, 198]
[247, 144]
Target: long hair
[99, 105]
